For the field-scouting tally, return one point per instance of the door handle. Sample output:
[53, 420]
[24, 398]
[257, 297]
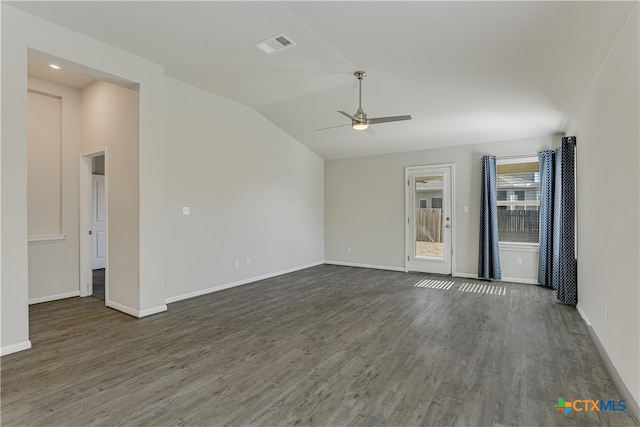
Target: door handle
[447, 226]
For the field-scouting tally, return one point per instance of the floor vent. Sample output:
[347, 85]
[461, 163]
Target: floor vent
[275, 44]
[434, 284]
[481, 288]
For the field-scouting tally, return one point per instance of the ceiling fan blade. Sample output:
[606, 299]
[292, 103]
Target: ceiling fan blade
[375, 120]
[333, 127]
[347, 115]
[371, 131]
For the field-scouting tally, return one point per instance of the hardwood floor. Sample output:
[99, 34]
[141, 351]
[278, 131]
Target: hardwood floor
[326, 346]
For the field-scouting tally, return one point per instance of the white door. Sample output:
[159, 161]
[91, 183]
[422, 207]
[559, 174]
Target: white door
[429, 218]
[98, 223]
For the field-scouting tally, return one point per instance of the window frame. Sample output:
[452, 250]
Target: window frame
[518, 246]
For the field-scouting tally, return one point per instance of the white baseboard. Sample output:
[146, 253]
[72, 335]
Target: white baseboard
[54, 297]
[631, 404]
[354, 264]
[520, 280]
[465, 275]
[583, 315]
[14, 348]
[238, 283]
[153, 310]
[123, 308]
[136, 313]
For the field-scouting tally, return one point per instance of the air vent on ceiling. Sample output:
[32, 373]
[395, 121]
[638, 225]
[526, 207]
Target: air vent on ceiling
[275, 44]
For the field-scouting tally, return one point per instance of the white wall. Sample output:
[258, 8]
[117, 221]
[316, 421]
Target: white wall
[365, 207]
[254, 192]
[14, 284]
[21, 31]
[53, 265]
[608, 140]
[110, 121]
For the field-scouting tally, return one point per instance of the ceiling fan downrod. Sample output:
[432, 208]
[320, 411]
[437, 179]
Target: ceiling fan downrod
[361, 121]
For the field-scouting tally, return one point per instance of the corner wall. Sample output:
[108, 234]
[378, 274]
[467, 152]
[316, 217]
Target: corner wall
[608, 202]
[21, 31]
[110, 121]
[256, 195]
[365, 207]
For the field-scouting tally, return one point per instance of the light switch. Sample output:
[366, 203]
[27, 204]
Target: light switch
[466, 209]
[186, 210]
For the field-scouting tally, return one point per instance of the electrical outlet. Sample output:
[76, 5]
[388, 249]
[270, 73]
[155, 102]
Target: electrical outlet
[248, 262]
[348, 250]
[186, 210]
[237, 263]
[518, 261]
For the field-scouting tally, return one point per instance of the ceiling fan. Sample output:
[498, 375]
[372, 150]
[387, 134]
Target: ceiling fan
[360, 120]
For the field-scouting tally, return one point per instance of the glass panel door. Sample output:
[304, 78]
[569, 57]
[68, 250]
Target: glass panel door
[429, 220]
[429, 224]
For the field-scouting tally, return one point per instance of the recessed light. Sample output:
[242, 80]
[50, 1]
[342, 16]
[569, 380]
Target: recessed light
[54, 66]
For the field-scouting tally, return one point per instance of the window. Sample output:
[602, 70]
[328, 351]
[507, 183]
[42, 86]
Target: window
[518, 200]
[423, 203]
[436, 203]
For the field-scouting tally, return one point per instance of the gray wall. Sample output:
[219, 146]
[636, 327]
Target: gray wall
[254, 192]
[608, 154]
[365, 206]
[110, 122]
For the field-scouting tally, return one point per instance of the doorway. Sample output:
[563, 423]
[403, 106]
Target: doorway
[429, 212]
[98, 230]
[93, 225]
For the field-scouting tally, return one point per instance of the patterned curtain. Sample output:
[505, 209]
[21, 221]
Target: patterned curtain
[557, 267]
[547, 190]
[488, 254]
[567, 269]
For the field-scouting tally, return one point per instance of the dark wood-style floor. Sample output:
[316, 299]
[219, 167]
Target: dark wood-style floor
[327, 346]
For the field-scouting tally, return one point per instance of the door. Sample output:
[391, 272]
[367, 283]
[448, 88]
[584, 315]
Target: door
[98, 223]
[429, 219]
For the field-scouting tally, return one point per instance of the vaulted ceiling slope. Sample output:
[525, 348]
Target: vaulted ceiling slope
[468, 72]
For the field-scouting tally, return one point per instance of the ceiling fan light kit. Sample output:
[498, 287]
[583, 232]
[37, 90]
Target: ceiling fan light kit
[360, 120]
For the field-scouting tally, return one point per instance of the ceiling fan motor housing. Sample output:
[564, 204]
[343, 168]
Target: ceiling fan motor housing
[360, 117]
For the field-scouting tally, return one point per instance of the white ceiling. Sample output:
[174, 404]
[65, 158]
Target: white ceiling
[42, 70]
[468, 72]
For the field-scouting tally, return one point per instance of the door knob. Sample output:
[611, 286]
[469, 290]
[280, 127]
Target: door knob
[447, 226]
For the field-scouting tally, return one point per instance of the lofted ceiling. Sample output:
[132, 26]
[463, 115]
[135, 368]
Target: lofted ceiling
[468, 72]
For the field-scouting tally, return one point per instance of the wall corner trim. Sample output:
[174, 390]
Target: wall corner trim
[14, 348]
[136, 313]
[153, 310]
[123, 308]
[630, 402]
